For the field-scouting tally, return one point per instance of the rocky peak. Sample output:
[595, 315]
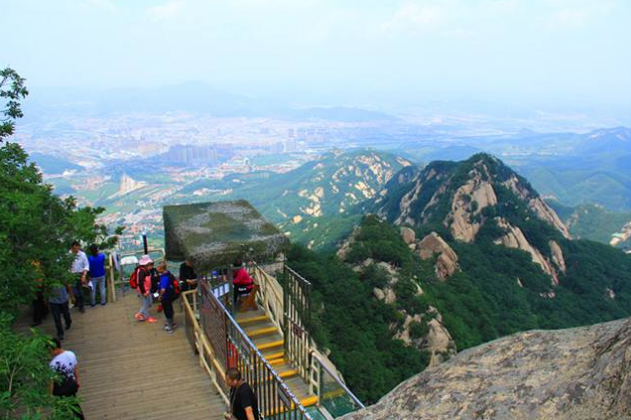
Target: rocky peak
[515, 238]
[465, 196]
[576, 374]
[447, 261]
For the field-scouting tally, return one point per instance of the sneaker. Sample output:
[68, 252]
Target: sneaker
[68, 325]
[60, 337]
[151, 320]
[93, 305]
[103, 304]
[168, 329]
[139, 317]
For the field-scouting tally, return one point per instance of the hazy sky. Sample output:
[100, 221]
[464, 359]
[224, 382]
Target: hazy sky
[554, 50]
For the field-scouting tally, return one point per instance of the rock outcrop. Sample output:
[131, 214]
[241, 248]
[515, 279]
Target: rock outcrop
[469, 200]
[576, 374]
[408, 235]
[447, 261]
[515, 238]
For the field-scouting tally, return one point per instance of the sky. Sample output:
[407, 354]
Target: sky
[399, 51]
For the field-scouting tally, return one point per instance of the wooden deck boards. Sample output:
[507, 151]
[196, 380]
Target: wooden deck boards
[131, 370]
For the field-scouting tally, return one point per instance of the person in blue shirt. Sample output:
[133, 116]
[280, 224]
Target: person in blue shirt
[167, 295]
[97, 274]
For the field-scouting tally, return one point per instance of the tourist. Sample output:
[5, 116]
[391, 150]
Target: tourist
[97, 274]
[58, 303]
[188, 276]
[167, 295]
[143, 278]
[65, 364]
[243, 401]
[242, 281]
[79, 269]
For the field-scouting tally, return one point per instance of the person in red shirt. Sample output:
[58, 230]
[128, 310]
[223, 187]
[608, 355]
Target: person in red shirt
[242, 281]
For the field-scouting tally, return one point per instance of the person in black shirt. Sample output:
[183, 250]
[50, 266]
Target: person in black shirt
[243, 402]
[188, 276]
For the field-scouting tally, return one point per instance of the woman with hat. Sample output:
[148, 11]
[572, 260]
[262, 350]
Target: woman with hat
[143, 279]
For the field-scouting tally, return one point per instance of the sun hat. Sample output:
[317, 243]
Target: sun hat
[145, 259]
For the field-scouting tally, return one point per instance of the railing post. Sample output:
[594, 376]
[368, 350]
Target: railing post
[319, 379]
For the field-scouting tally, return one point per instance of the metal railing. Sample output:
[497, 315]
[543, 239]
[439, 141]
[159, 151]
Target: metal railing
[270, 294]
[118, 273]
[297, 319]
[233, 349]
[208, 359]
[333, 395]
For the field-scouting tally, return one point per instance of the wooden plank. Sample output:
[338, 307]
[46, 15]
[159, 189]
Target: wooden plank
[132, 370]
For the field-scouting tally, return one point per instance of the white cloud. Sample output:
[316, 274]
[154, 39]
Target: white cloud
[98, 5]
[412, 16]
[576, 16]
[166, 11]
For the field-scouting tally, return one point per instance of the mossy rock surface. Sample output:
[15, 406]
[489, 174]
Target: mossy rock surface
[215, 234]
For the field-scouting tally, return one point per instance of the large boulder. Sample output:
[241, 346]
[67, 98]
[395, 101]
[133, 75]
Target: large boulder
[215, 234]
[574, 374]
[408, 235]
[447, 261]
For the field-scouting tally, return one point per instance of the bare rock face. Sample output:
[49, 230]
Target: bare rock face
[408, 235]
[447, 262]
[575, 374]
[557, 256]
[546, 213]
[515, 238]
[537, 205]
[469, 200]
[439, 342]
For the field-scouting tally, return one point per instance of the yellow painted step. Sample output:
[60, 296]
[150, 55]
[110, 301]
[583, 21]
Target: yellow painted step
[283, 375]
[271, 345]
[275, 356]
[261, 331]
[288, 373]
[278, 361]
[306, 402]
[253, 320]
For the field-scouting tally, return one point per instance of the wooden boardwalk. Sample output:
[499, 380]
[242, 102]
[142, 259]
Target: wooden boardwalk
[134, 370]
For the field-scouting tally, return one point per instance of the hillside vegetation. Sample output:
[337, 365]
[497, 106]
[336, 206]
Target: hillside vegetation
[516, 270]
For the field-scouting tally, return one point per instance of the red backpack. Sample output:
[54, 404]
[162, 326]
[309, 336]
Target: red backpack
[174, 291]
[133, 279]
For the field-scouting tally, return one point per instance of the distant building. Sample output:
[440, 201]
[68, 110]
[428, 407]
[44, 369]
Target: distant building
[198, 155]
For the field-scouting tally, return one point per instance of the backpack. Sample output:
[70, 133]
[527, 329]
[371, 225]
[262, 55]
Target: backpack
[133, 279]
[174, 291]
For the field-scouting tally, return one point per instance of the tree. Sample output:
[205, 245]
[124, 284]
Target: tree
[25, 377]
[36, 229]
[12, 88]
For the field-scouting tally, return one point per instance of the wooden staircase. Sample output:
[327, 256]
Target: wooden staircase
[267, 338]
[134, 370]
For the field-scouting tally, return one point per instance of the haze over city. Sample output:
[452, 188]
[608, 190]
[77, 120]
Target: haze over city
[554, 55]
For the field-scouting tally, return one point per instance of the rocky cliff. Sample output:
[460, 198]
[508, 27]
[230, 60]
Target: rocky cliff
[575, 374]
[465, 197]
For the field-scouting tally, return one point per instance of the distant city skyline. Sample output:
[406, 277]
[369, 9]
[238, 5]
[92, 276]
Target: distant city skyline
[561, 53]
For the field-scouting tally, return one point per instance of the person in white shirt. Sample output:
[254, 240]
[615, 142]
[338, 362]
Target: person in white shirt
[80, 267]
[65, 364]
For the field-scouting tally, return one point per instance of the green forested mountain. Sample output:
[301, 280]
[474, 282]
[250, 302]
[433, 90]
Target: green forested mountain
[594, 168]
[596, 223]
[315, 203]
[465, 250]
